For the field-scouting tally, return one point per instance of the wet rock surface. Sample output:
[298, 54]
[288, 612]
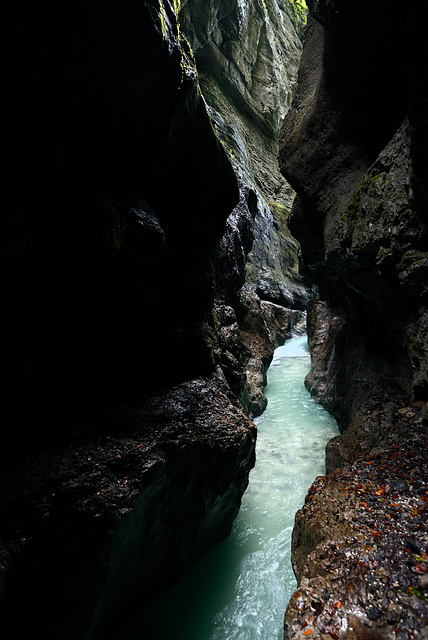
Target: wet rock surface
[360, 214]
[248, 336]
[283, 323]
[353, 147]
[110, 503]
[108, 270]
[360, 543]
[247, 54]
[324, 327]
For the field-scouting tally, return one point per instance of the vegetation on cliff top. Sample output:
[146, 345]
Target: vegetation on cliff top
[300, 9]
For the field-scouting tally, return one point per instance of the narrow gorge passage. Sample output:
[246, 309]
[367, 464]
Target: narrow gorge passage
[240, 589]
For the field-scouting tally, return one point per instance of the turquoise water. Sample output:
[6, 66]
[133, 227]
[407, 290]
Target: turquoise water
[240, 589]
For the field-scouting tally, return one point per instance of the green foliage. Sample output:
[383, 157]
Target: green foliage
[370, 188]
[300, 9]
[114, 238]
[188, 61]
[229, 150]
[162, 18]
[418, 594]
[276, 206]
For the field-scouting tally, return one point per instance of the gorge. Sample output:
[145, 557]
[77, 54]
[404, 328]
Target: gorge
[154, 254]
[239, 587]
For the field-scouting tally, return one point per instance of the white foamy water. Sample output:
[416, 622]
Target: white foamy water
[240, 589]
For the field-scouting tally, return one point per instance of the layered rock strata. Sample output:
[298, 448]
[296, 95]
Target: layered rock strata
[354, 148]
[248, 58]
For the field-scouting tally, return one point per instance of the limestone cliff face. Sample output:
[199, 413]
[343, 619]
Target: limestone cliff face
[354, 148]
[247, 55]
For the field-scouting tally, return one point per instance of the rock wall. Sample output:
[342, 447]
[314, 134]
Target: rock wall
[247, 54]
[354, 149]
[110, 520]
[197, 471]
[129, 335]
[356, 159]
[110, 229]
[107, 269]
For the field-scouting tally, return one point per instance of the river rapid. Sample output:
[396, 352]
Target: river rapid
[240, 589]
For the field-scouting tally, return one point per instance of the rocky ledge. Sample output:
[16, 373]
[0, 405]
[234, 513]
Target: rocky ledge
[105, 516]
[360, 543]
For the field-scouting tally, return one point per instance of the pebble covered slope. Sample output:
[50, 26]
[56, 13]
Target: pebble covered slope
[360, 541]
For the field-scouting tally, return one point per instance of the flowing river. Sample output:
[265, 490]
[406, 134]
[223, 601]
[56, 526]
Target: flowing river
[240, 589]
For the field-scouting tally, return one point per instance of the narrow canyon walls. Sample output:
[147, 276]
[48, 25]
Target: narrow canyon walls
[107, 256]
[115, 191]
[247, 55]
[135, 340]
[354, 147]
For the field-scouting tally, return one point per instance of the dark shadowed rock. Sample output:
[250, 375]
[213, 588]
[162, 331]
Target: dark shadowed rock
[126, 232]
[247, 56]
[359, 213]
[110, 503]
[353, 146]
[246, 348]
[115, 192]
[106, 257]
